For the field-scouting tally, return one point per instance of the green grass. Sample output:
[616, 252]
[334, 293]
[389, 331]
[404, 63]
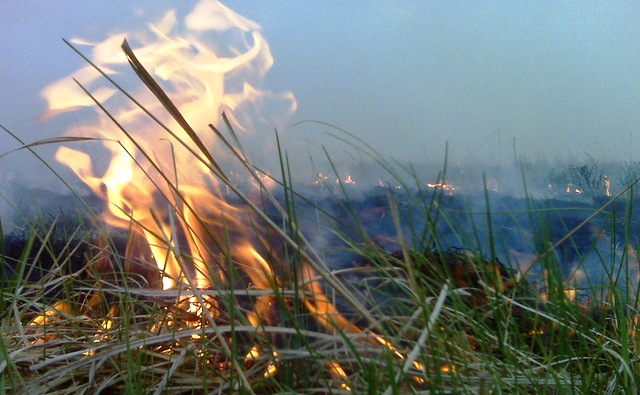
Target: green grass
[420, 320]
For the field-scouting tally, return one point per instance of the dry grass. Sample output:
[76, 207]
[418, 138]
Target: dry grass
[442, 326]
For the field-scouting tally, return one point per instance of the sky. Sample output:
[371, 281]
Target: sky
[494, 80]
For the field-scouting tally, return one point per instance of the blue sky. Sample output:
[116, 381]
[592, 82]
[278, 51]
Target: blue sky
[560, 79]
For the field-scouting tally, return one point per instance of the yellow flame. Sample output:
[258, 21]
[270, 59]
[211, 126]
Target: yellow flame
[160, 178]
[336, 370]
[51, 313]
[157, 181]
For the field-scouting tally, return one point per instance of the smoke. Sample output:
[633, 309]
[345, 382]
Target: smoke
[537, 107]
[495, 82]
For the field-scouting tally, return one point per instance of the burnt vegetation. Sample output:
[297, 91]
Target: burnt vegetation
[490, 314]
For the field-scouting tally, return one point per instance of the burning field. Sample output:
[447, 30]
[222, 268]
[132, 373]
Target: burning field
[193, 270]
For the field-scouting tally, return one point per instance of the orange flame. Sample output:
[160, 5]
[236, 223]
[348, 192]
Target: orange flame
[157, 178]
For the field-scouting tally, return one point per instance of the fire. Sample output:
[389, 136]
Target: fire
[447, 187]
[573, 189]
[323, 179]
[348, 180]
[320, 179]
[161, 180]
[158, 177]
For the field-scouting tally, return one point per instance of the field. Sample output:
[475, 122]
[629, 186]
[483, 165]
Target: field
[252, 285]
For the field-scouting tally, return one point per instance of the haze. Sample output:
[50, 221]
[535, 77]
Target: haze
[496, 80]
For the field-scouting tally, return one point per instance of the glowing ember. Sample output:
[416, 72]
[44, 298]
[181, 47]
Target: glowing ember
[320, 179]
[573, 189]
[339, 373]
[607, 186]
[445, 186]
[348, 180]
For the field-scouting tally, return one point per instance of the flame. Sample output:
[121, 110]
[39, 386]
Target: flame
[51, 314]
[336, 370]
[347, 180]
[322, 179]
[607, 186]
[573, 189]
[159, 178]
[159, 182]
[445, 186]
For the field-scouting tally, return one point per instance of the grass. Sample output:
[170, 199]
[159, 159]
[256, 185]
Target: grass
[421, 319]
